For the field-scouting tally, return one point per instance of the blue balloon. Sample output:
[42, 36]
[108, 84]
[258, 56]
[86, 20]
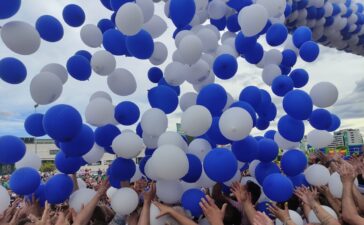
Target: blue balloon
[114, 42]
[247, 107]
[232, 23]
[276, 34]
[335, 123]
[141, 45]
[255, 54]
[191, 201]
[67, 165]
[309, 51]
[155, 74]
[139, 130]
[301, 35]
[268, 150]
[85, 54]
[62, 122]
[177, 89]
[277, 187]
[298, 104]
[263, 207]
[270, 134]
[150, 151]
[289, 58]
[293, 162]
[300, 77]
[252, 95]
[122, 169]
[245, 150]
[220, 165]
[106, 4]
[182, 12]
[49, 28]
[79, 67]
[238, 4]
[267, 112]
[58, 188]
[127, 113]
[24, 181]
[9, 8]
[225, 66]
[114, 182]
[105, 25]
[143, 162]
[179, 29]
[116, 4]
[194, 169]
[320, 119]
[215, 134]
[263, 170]
[80, 144]
[12, 149]
[39, 194]
[34, 125]
[262, 124]
[291, 129]
[282, 85]
[73, 15]
[299, 181]
[213, 97]
[12, 70]
[244, 44]
[104, 135]
[220, 24]
[163, 98]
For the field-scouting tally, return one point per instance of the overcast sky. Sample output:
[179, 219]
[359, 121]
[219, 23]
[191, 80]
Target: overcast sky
[342, 69]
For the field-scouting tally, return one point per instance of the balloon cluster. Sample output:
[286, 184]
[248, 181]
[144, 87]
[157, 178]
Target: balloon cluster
[211, 116]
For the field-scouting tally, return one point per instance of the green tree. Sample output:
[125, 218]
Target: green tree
[47, 167]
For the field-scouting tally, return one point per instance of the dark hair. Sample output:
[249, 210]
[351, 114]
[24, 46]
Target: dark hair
[255, 191]
[24, 221]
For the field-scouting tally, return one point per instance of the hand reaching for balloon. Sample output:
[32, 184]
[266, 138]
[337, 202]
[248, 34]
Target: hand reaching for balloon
[262, 219]
[164, 210]
[103, 188]
[281, 214]
[307, 196]
[347, 173]
[150, 194]
[213, 214]
[240, 192]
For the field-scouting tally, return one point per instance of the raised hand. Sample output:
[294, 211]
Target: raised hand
[347, 173]
[306, 195]
[240, 192]
[149, 195]
[213, 214]
[281, 214]
[262, 219]
[164, 210]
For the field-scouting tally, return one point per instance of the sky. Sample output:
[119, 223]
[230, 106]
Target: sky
[344, 70]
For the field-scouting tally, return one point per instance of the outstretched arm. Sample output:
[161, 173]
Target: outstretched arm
[181, 219]
[148, 198]
[244, 199]
[213, 214]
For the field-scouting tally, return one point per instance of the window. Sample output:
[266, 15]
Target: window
[53, 151]
[95, 164]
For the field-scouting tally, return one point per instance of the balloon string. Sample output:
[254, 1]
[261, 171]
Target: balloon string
[35, 108]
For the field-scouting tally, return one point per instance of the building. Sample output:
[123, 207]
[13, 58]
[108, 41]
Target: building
[350, 138]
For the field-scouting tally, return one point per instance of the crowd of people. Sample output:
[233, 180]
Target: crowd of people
[236, 206]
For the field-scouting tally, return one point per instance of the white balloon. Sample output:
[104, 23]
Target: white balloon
[208, 80]
[94, 155]
[170, 162]
[187, 100]
[147, 7]
[149, 170]
[295, 217]
[154, 122]
[273, 56]
[91, 35]
[217, 9]
[110, 192]
[275, 8]
[204, 181]
[151, 141]
[129, 19]
[169, 192]
[101, 94]
[235, 123]
[5, 199]
[175, 73]
[252, 19]
[199, 147]
[127, 145]
[317, 175]
[81, 184]
[209, 40]
[156, 26]
[20, 37]
[124, 201]
[122, 82]
[324, 94]
[198, 72]
[30, 159]
[283, 143]
[252, 167]
[190, 49]
[58, 70]
[229, 102]
[312, 218]
[336, 186]
[103, 62]
[81, 197]
[137, 175]
[196, 120]
[172, 138]
[159, 55]
[319, 138]
[182, 34]
[45, 88]
[270, 72]
[99, 112]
